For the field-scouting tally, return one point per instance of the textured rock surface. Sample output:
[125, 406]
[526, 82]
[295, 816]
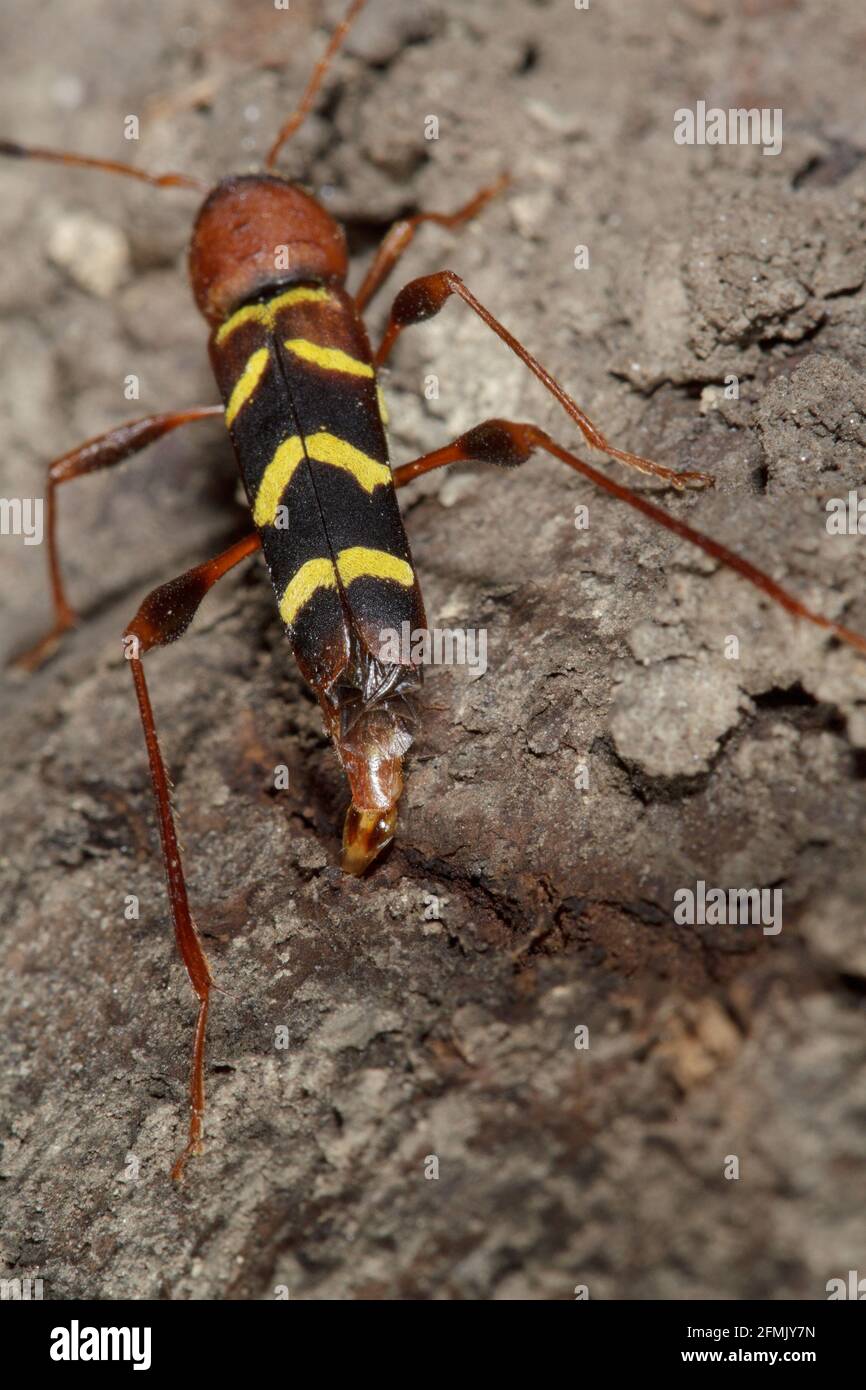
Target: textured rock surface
[408, 1036]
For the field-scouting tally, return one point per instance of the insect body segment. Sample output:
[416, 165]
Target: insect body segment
[295, 370]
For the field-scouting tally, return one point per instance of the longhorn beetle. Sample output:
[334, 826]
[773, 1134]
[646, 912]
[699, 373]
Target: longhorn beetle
[298, 380]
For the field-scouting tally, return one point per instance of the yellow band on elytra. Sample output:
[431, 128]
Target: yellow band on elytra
[276, 479]
[247, 383]
[329, 448]
[322, 447]
[332, 359]
[265, 313]
[315, 574]
[359, 562]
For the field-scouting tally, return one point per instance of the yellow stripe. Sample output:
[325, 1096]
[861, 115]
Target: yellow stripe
[323, 448]
[315, 574]
[264, 313]
[328, 448]
[247, 314]
[276, 479]
[301, 294]
[383, 409]
[332, 359]
[359, 563]
[247, 383]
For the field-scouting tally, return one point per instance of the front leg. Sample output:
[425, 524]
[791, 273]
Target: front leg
[400, 235]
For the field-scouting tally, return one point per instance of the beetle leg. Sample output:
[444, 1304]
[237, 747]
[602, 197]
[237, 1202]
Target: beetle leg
[163, 616]
[399, 237]
[423, 298]
[509, 444]
[102, 452]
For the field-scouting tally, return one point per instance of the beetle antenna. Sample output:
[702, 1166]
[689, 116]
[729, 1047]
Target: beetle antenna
[82, 161]
[302, 110]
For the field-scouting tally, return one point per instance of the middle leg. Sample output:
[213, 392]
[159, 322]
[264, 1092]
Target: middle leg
[105, 451]
[509, 444]
[422, 298]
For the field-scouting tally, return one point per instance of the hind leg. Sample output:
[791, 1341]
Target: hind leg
[163, 617]
[421, 299]
[509, 444]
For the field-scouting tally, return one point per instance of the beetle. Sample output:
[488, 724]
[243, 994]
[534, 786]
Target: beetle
[300, 399]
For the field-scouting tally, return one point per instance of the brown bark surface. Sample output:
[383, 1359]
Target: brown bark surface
[431, 1008]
